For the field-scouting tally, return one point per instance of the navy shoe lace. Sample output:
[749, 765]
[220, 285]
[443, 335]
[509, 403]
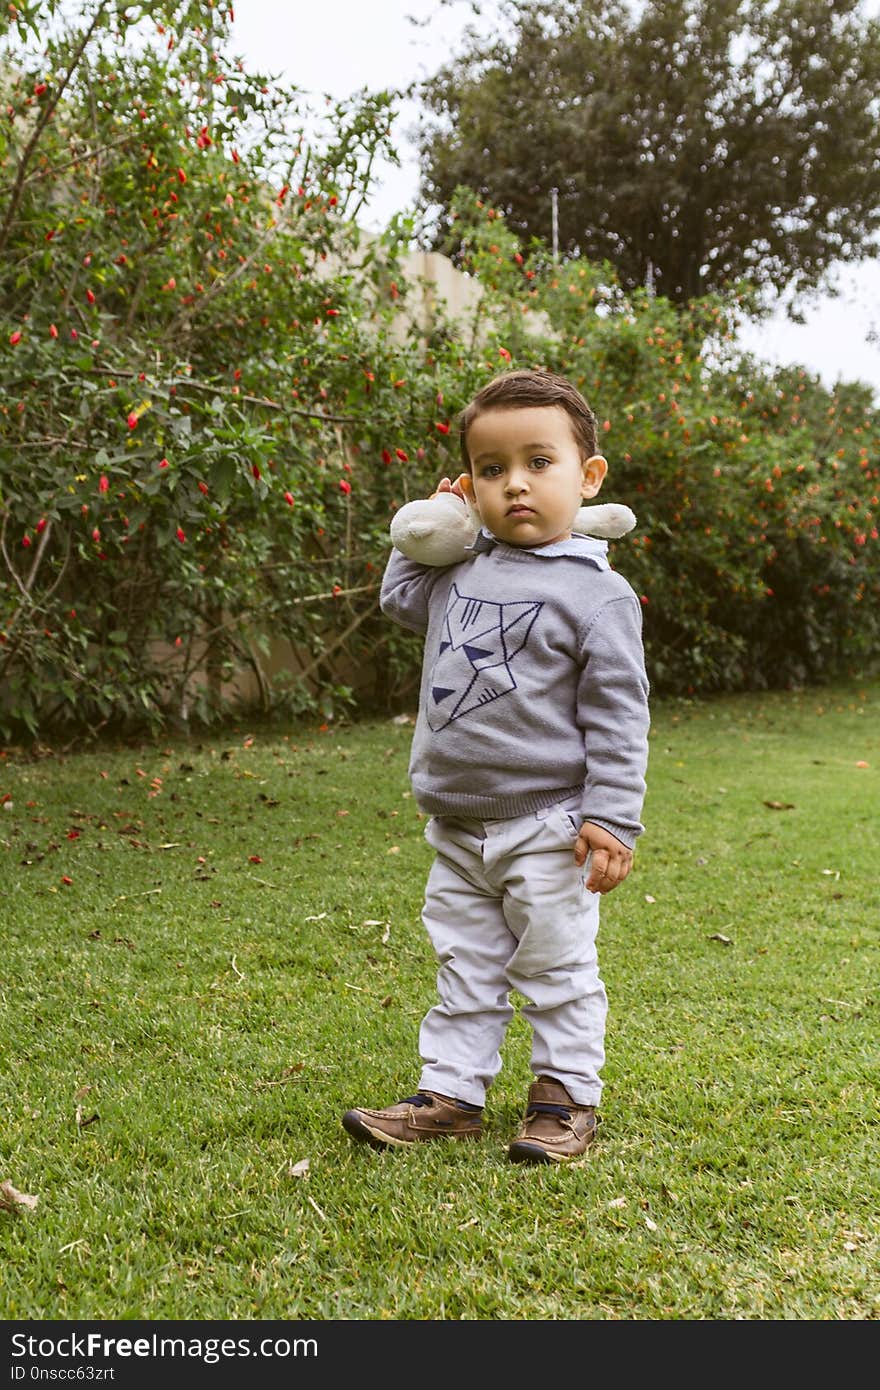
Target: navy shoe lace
[542, 1108]
[421, 1100]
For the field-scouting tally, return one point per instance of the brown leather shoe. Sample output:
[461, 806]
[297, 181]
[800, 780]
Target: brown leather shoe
[426, 1115]
[554, 1130]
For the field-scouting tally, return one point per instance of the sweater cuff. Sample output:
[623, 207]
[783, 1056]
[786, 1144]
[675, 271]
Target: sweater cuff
[626, 836]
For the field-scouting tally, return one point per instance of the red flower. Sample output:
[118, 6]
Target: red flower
[163, 463]
[203, 487]
[288, 497]
[386, 456]
[502, 352]
[26, 542]
[402, 455]
[518, 258]
[132, 421]
[103, 484]
[181, 176]
[74, 334]
[73, 834]
[235, 156]
[90, 296]
[344, 485]
[53, 331]
[180, 534]
[39, 89]
[96, 535]
[254, 859]
[65, 878]
[15, 337]
[41, 525]
[439, 425]
[256, 472]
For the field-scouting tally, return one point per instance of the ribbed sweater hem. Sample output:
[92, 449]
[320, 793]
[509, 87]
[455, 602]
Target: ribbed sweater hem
[476, 807]
[625, 836]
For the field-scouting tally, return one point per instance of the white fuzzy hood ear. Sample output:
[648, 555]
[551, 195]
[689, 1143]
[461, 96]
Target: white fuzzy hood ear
[437, 531]
[609, 520]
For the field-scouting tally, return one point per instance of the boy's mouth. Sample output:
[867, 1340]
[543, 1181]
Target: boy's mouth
[520, 509]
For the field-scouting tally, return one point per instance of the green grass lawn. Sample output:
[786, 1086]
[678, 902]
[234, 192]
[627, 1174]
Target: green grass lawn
[237, 958]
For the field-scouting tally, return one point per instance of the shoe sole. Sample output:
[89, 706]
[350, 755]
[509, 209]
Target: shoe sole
[523, 1152]
[359, 1129]
[355, 1125]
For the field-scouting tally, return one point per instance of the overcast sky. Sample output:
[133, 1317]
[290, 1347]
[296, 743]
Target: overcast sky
[339, 46]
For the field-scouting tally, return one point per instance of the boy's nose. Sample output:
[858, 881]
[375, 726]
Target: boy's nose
[516, 483]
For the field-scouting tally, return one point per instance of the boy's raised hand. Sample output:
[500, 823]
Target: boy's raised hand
[611, 861]
[461, 487]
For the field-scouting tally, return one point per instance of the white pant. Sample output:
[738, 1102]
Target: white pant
[506, 907]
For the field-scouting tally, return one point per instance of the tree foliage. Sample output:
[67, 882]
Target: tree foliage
[693, 143]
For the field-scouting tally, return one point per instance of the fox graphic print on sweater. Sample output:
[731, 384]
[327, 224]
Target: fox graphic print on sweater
[533, 686]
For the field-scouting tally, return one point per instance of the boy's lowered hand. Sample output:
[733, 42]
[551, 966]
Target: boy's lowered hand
[611, 860]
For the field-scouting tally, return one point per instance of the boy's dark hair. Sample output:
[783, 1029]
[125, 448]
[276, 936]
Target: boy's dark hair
[528, 388]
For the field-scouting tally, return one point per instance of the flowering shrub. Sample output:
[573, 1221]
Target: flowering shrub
[756, 555]
[216, 391]
[205, 418]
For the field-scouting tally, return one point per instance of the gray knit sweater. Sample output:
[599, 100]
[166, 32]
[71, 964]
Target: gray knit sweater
[533, 682]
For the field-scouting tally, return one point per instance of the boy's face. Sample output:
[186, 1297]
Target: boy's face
[528, 474]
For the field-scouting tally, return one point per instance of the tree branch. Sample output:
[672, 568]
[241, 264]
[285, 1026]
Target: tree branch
[46, 115]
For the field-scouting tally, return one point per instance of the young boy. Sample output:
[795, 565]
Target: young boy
[529, 753]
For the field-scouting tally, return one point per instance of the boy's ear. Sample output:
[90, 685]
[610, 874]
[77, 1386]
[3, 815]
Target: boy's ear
[593, 471]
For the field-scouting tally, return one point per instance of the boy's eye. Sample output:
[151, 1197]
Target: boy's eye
[540, 463]
[490, 470]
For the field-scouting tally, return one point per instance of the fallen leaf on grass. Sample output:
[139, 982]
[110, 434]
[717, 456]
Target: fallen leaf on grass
[780, 805]
[649, 898]
[617, 1202]
[395, 849]
[862, 763]
[298, 1170]
[651, 1225]
[718, 936]
[10, 1197]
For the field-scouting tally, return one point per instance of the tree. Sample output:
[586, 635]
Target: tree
[692, 143]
